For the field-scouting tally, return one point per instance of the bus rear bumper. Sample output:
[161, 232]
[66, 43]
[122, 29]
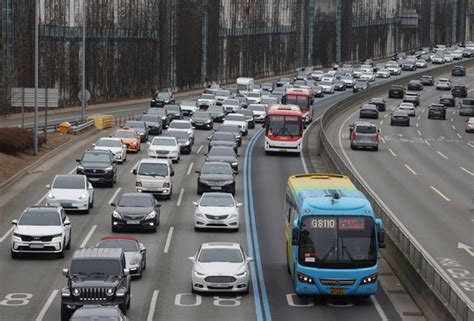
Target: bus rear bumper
[357, 290]
[282, 149]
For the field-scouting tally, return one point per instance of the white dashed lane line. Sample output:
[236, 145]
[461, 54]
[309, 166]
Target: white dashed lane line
[459, 135]
[440, 194]
[382, 139]
[151, 311]
[199, 149]
[190, 168]
[3, 238]
[386, 115]
[467, 171]
[88, 236]
[454, 127]
[442, 155]
[392, 152]
[168, 240]
[419, 133]
[47, 305]
[427, 143]
[115, 195]
[410, 169]
[180, 197]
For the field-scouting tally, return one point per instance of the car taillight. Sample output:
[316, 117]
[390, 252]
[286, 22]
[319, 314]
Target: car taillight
[377, 136]
[354, 135]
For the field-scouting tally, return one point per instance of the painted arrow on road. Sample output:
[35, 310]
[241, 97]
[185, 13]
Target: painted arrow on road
[469, 249]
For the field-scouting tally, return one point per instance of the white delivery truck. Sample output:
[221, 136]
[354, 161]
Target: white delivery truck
[244, 84]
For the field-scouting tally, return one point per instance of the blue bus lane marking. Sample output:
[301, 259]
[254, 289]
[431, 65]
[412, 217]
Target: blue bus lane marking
[252, 228]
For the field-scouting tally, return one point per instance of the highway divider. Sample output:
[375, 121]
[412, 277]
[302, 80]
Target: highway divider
[438, 296]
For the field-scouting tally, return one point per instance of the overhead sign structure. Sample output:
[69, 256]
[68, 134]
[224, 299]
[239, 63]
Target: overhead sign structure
[25, 97]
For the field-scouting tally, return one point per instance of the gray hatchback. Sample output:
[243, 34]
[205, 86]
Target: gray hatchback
[364, 135]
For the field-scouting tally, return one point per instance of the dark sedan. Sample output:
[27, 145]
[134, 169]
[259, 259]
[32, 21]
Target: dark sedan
[396, 91]
[136, 210]
[184, 140]
[458, 71]
[360, 85]
[400, 117]
[175, 111]
[415, 85]
[223, 139]
[447, 100]
[165, 116]
[223, 154]
[202, 119]
[339, 85]
[162, 98]
[427, 80]
[369, 111]
[379, 102]
[459, 91]
[437, 111]
[217, 113]
[153, 122]
[216, 176]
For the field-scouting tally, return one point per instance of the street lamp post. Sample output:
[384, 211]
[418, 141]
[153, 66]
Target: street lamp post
[35, 128]
[83, 66]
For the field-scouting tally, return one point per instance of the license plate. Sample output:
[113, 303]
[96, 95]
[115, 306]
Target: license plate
[92, 179]
[214, 221]
[337, 291]
[284, 150]
[66, 204]
[133, 222]
[36, 246]
[199, 124]
[216, 187]
[221, 285]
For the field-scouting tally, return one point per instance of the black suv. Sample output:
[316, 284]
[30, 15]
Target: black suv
[96, 276]
[98, 166]
[437, 111]
[396, 91]
[458, 71]
[379, 102]
[459, 91]
[162, 98]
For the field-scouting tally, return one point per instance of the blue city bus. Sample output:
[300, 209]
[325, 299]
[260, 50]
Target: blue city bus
[332, 236]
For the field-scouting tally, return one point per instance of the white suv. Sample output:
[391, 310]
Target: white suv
[164, 147]
[41, 229]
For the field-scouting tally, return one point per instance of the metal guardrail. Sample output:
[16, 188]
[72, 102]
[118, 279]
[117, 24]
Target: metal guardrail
[438, 281]
[81, 127]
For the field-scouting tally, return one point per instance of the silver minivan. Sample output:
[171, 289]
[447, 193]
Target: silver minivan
[364, 135]
[154, 176]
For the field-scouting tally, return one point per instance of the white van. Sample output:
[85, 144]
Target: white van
[154, 176]
[244, 84]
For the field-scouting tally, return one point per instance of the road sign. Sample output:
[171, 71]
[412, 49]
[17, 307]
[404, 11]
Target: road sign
[26, 97]
[87, 95]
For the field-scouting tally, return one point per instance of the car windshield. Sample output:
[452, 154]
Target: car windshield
[108, 143]
[135, 201]
[257, 107]
[337, 242]
[201, 115]
[125, 134]
[149, 118]
[96, 157]
[180, 125]
[219, 200]
[134, 124]
[361, 83]
[229, 129]
[223, 136]
[163, 142]
[40, 218]
[69, 182]
[173, 108]
[233, 102]
[207, 96]
[220, 255]
[221, 151]
[157, 111]
[364, 129]
[215, 109]
[222, 93]
[178, 134]
[284, 126]
[216, 169]
[125, 245]
[253, 95]
[164, 95]
[97, 266]
[191, 103]
[153, 169]
[235, 117]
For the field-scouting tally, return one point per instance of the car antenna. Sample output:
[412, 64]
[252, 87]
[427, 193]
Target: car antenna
[335, 196]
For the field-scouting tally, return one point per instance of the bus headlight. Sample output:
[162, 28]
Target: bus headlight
[369, 279]
[304, 278]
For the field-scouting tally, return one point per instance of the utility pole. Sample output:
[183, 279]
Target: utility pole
[83, 66]
[35, 128]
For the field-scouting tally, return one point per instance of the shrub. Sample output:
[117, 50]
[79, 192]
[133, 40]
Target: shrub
[17, 140]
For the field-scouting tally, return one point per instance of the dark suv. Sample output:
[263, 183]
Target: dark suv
[98, 166]
[96, 276]
[459, 91]
[396, 91]
[437, 111]
[458, 71]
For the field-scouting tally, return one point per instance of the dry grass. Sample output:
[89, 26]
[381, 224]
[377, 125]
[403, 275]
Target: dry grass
[10, 165]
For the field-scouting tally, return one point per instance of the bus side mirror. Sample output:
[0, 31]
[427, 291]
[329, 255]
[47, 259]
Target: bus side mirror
[380, 233]
[295, 236]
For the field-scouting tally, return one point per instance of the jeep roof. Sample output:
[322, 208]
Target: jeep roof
[97, 253]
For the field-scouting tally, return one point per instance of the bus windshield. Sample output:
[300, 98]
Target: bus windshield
[284, 126]
[301, 101]
[338, 242]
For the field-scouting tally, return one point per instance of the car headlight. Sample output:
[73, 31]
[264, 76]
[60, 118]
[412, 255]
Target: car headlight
[150, 215]
[369, 279]
[167, 184]
[244, 273]
[135, 260]
[56, 236]
[76, 292]
[84, 196]
[208, 121]
[116, 214]
[199, 214]
[304, 278]
[109, 292]
[121, 292]
[138, 183]
[109, 169]
[196, 273]
[235, 163]
[50, 195]
[228, 182]
[17, 235]
[187, 143]
[79, 167]
[134, 143]
[119, 152]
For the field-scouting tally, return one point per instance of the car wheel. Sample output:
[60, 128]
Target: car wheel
[91, 204]
[199, 190]
[68, 245]
[246, 291]
[376, 148]
[114, 229]
[233, 191]
[197, 229]
[129, 301]
[391, 123]
[353, 147]
[65, 313]
[87, 210]
[61, 254]
[123, 307]
[15, 255]
[193, 291]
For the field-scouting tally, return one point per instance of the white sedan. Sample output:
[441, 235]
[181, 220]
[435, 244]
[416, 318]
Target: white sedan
[239, 120]
[115, 145]
[217, 210]
[220, 267]
[165, 147]
[409, 108]
[73, 192]
[183, 126]
[259, 110]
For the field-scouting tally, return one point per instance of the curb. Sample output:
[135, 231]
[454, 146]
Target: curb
[43, 158]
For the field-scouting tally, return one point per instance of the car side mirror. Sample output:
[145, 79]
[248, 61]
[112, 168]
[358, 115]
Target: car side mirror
[192, 259]
[89, 186]
[67, 223]
[235, 172]
[94, 144]
[126, 271]
[15, 222]
[48, 186]
[380, 232]
[195, 203]
[209, 138]
[239, 204]
[134, 172]
[124, 146]
[249, 259]
[113, 204]
[65, 272]
[197, 172]
[78, 160]
[295, 236]
[238, 154]
[205, 154]
[172, 173]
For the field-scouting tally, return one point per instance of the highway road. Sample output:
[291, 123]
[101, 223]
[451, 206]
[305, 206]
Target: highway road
[425, 175]
[32, 289]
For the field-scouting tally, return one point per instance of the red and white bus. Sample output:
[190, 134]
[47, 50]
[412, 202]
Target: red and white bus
[302, 98]
[284, 126]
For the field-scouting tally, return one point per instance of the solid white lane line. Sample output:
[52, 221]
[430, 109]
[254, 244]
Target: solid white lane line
[392, 152]
[115, 195]
[190, 168]
[151, 311]
[382, 139]
[440, 194]
[6, 234]
[47, 305]
[168, 240]
[442, 155]
[378, 308]
[427, 143]
[454, 127]
[411, 170]
[423, 110]
[467, 171]
[178, 203]
[88, 236]
[199, 149]
[419, 133]
[72, 170]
